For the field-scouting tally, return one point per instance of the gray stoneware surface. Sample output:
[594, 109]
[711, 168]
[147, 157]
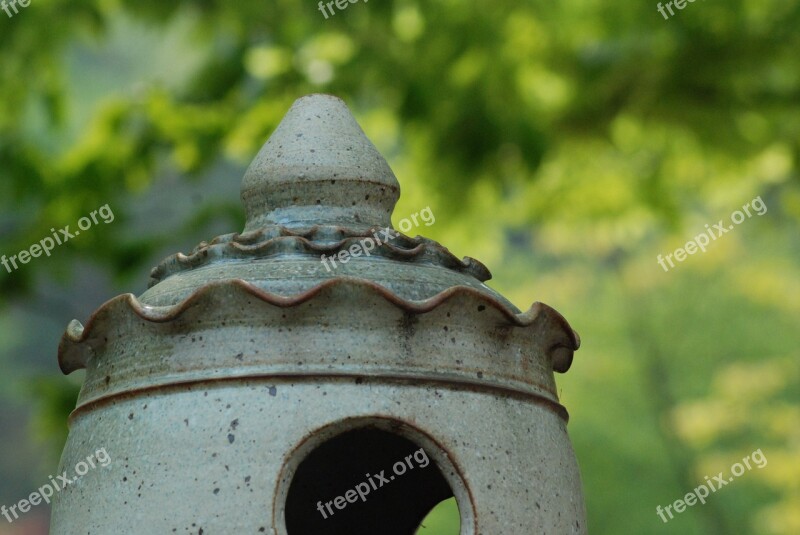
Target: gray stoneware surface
[243, 356]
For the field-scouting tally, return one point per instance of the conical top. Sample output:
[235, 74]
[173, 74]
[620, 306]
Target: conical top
[319, 168]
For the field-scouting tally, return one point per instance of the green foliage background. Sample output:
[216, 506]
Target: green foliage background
[565, 144]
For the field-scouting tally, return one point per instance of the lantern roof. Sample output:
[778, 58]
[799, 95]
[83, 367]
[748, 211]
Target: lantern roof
[318, 199]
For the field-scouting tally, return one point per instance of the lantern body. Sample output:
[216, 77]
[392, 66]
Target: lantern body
[213, 389]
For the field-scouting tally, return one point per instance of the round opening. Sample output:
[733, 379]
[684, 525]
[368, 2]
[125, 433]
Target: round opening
[367, 481]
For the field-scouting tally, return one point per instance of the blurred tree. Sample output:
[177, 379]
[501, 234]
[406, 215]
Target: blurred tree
[571, 140]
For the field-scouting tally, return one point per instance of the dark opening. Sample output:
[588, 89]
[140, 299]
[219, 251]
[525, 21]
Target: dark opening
[397, 486]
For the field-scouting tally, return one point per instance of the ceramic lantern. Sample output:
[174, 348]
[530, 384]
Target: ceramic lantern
[320, 372]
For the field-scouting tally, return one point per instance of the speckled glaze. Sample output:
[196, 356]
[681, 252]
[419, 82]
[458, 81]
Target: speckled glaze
[209, 389]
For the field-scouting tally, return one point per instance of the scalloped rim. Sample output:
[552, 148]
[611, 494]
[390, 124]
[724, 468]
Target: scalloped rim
[76, 334]
[246, 245]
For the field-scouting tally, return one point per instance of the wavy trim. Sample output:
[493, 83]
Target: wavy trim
[72, 353]
[316, 240]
